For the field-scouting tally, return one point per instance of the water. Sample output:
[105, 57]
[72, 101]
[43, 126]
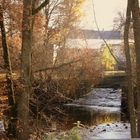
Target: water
[100, 111]
[101, 105]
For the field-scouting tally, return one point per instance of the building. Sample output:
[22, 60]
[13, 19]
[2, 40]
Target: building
[95, 39]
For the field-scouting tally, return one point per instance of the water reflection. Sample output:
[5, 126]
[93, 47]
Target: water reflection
[99, 106]
[93, 117]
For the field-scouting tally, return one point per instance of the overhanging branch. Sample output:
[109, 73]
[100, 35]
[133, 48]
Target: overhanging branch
[42, 5]
[56, 67]
[107, 45]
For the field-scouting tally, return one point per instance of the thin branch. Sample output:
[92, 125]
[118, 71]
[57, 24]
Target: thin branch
[42, 5]
[118, 62]
[51, 11]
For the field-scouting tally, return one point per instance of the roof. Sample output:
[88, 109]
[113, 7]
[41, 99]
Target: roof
[93, 34]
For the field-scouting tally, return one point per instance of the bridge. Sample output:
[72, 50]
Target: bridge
[113, 79]
[117, 79]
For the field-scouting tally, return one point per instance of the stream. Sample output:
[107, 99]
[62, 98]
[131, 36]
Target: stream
[101, 110]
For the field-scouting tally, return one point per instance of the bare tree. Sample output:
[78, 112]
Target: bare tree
[136, 28]
[7, 64]
[129, 72]
[27, 25]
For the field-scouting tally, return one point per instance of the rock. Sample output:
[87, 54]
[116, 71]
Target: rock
[112, 92]
[90, 130]
[126, 127]
[124, 124]
[104, 130]
[2, 126]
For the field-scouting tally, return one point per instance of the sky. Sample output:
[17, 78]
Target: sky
[106, 11]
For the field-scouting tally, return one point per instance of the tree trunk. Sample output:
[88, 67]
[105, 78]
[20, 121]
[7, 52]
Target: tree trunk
[136, 27]
[129, 72]
[27, 27]
[23, 106]
[7, 64]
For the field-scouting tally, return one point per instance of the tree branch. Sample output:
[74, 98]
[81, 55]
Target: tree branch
[42, 5]
[105, 42]
[57, 67]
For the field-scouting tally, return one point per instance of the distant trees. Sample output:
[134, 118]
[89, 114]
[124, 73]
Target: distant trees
[60, 17]
[87, 68]
[12, 10]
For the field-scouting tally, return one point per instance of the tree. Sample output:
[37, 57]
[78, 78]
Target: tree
[136, 28]
[129, 72]
[58, 18]
[27, 25]
[23, 106]
[7, 65]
